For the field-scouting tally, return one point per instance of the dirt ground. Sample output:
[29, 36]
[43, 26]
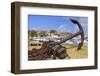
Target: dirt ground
[72, 52]
[77, 54]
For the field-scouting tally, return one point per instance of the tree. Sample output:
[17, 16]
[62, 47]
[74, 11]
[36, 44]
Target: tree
[29, 33]
[33, 33]
[53, 31]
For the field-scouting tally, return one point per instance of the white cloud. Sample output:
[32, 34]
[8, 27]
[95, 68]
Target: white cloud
[34, 28]
[62, 28]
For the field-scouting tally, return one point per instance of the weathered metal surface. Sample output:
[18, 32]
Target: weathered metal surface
[51, 49]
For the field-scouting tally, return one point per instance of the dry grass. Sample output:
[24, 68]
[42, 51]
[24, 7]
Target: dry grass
[77, 54]
[31, 47]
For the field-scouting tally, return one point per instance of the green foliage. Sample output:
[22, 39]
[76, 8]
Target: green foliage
[33, 33]
[53, 31]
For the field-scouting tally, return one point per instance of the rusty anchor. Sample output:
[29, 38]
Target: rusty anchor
[51, 49]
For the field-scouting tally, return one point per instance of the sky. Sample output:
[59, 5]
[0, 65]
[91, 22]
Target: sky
[58, 23]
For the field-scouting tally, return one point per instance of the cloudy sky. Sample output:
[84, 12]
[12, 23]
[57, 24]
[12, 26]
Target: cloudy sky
[59, 23]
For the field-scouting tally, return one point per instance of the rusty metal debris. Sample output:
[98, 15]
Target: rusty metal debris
[51, 49]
